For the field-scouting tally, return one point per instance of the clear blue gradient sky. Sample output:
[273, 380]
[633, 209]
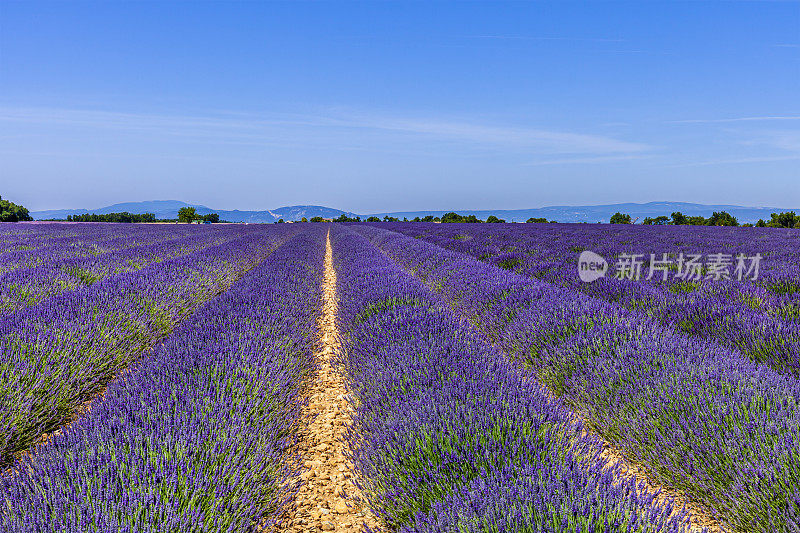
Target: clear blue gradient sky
[374, 107]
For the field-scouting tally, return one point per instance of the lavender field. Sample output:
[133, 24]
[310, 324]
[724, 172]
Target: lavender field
[413, 377]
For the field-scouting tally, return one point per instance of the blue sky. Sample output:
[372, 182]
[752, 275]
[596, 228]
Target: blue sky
[384, 106]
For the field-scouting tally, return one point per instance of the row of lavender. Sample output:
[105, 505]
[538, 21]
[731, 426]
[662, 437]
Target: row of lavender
[25, 237]
[77, 261]
[39, 244]
[698, 416]
[450, 436]
[199, 437]
[60, 352]
[760, 318]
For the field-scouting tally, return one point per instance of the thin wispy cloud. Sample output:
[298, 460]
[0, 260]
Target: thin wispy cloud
[738, 161]
[587, 160]
[736, 119]
[540, 139]
[548, 38]
[333, 127]
[786, 140]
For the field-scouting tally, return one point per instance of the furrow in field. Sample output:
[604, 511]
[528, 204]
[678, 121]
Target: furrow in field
[328, 498]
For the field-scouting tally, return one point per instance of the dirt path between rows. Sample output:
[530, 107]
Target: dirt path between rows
[328, 499]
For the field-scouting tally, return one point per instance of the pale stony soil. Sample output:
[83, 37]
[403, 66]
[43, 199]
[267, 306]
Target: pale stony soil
[328, 499]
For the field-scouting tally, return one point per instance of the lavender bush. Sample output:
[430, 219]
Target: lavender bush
[32, 276]
[699, 416]
[451, 436]
[57, 354]
[29, 245]
[760, 318]
[199, 437]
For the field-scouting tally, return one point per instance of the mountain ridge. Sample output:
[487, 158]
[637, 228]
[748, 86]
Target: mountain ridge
[603, 212]
[168, 209]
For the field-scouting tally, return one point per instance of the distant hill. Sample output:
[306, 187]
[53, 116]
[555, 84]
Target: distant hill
[167, 209]
[602, 213]
[160, 208]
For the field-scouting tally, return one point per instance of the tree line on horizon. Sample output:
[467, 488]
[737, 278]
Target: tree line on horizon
[718, 218]
[123, 217]
[11, 212]
[445, 219]
[185, 214]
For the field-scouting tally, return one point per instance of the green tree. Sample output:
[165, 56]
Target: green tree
[187, 214]
[494, 220]
[722, 218]
[620, 218]
[373, 219]
[455, 217]
[280, 221]
[536, 220]
[658, 221]
[211, 217]
[317, 219]
[679, 219]
[784, 220]
[344, 218]
[11, 212]
[304, 219]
